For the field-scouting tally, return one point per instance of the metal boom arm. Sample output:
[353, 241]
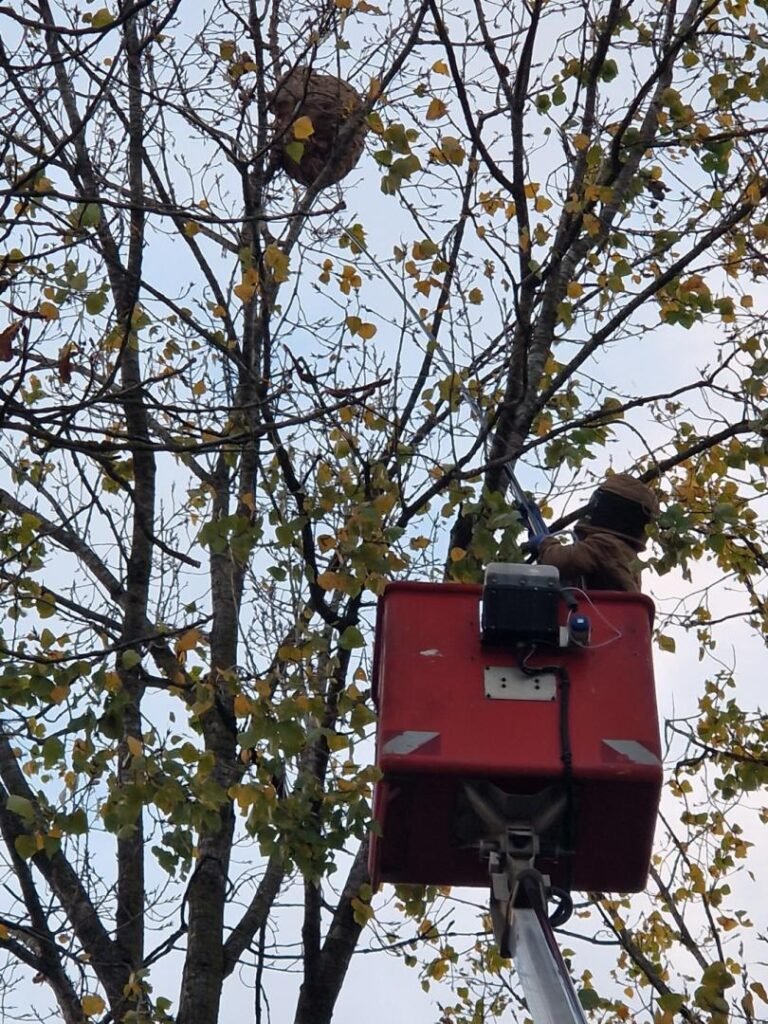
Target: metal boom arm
[543, 975]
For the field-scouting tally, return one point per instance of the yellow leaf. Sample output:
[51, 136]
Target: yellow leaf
[198, 388]
[59, 693]
[188, 640]
[248, 286]
[367, 331]
[452, 151]
[48, 310]
[666, 643]
[92, 1005]
[344, 5]
[374, 88]
[543, 424]
[327, 580]
[336, 742]
[245, 795]
[574, 290]
[243, 705]
[747, 301]
[112, 682]
[475, 296]
[277, 261]
[581, 141]
[362, 912]
[226, 49]
[190, 228]
[592, 224]
[264, 689]
[531, 189]
[436, 110]
[303, 128]
[457, 554]
[3, 932]
[440, 67]
[542, 204]
[438, 969]
[759, 990]
[135, 746]
[219, 311]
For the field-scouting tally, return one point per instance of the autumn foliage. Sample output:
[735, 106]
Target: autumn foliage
[236, 401]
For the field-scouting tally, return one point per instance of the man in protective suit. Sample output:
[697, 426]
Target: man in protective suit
[608, 538]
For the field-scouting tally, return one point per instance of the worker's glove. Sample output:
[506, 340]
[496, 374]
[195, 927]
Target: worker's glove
[531, 546]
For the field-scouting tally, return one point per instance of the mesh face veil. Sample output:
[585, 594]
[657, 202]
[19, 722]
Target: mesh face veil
[623, 506]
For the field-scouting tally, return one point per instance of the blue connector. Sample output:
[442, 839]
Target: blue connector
[580, 629]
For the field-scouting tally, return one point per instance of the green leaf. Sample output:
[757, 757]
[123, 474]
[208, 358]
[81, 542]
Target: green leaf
[77, 822]
[21, 806]
[130, 658]
[671, 1002]
[26, 846]
[90, 215]
[53, 751]
[588, 998]
[95, 302]
[102, 18]
[351, 638]
[46, 605]
[294, 151]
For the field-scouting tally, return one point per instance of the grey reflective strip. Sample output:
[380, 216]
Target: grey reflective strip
[407, 742]
[633, 750]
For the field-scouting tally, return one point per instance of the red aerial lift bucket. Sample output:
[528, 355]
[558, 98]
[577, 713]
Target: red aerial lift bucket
[454, 713]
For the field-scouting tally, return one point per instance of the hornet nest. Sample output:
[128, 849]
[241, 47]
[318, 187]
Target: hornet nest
[329, 103]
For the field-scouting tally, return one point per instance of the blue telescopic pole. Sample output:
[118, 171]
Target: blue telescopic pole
[529, 510]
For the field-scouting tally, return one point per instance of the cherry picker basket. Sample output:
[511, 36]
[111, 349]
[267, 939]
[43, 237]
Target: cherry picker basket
[480, 730]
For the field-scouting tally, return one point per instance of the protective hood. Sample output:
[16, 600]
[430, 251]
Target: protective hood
[622, 506]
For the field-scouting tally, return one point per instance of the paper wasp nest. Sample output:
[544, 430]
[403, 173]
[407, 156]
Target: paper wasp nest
[328, 102]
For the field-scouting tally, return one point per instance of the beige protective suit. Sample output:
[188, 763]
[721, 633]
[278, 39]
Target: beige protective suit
[599, 561]
[608, 538]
